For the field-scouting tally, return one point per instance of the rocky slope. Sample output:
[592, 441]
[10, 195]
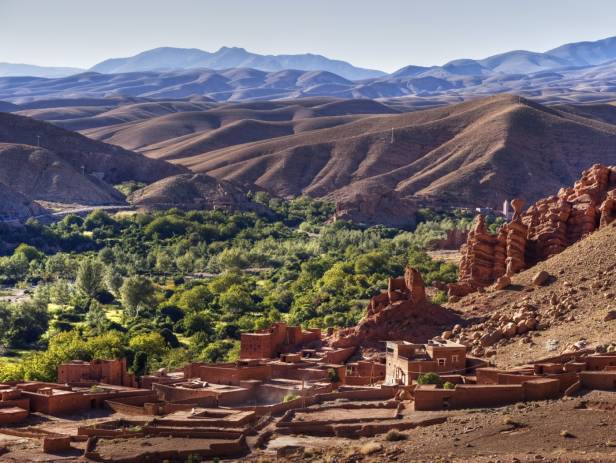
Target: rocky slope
[401, 313]
[194, 191]
[14, 205]
[572, 309]
[38, 173]
[477, 153]
[114, 163]
[554, 267]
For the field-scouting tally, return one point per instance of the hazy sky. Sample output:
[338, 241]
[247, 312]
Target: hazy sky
[382, 34]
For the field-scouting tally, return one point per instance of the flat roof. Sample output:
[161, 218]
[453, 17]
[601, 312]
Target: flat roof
[11, 410]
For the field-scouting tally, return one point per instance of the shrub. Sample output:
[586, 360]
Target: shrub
[289, 397]
[370, 448]
[166, 227]
[333, 375]
[449, 385]
[394, 435]
[429, 378]
[439, 297]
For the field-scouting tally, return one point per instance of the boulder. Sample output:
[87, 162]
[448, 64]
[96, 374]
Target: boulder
[502, 283]
[540, 278]
[491, 338]
[521, 327]
[509, 330]
[611, 315]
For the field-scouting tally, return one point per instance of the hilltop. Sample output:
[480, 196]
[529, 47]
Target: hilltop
[226, 58]
[476, 153]
[115, 163]
[40, 161]
[194, 192]
[368, 156]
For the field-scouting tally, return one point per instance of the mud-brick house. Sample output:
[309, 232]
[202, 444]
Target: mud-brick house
[275, 340]
[96, 372]
[405, 361]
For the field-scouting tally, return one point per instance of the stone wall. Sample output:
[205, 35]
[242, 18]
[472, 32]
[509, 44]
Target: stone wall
[602, 380]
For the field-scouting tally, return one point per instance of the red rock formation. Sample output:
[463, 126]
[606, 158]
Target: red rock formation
[486, 257]
[559, 221]
[545, 229]
[401, 312]
[608, 209]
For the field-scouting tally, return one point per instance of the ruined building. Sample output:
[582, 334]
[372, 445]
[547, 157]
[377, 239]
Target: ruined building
[402, 312]
[545, 229]
[97, 371]
[275, 340]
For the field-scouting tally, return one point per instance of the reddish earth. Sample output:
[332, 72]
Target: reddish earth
[582, 284]
[525, 432]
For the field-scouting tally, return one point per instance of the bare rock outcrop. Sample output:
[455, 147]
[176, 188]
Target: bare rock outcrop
[545, 229]
[402, 312]
[486, 257]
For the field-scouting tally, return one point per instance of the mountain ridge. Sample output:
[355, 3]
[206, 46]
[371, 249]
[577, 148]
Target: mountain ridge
[167, 58]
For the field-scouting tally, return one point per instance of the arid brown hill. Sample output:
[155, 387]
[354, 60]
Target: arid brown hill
[194, 191]
[476, 153]
[115, 164]
[14, 205]
[38, 173]
[174, 129]
[365, 155]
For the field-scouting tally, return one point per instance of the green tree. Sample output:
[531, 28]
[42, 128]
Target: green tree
[140, 363]
[153, 344]
[113, 280]
[235, 300]
[373, 262]
[96, 318]
[61, 292]
[28, 321]
[98, 219]
[166, 227]
[136, 291]
[89, 279]
[29, 252]
[195, 299]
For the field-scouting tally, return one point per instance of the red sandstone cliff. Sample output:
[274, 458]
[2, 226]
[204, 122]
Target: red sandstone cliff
[546, 228]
